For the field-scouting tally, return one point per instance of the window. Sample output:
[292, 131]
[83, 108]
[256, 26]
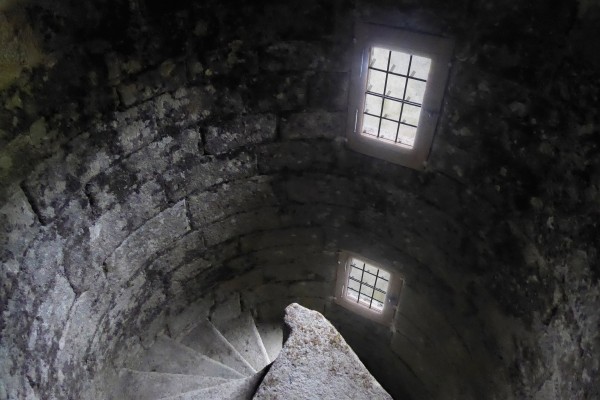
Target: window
[398, 82]
[367, 288]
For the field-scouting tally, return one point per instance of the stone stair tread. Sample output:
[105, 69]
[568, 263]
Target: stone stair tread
[169, 356]
[239, 389]
[143, 385]
[241, 332]
[271, 334]
[207, 340]
[317, 363]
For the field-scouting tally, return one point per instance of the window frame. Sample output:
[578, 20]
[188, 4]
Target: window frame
[392, 296]
[436, 48]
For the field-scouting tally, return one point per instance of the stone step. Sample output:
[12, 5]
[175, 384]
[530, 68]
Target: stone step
[207, 340]
[239, 389]
[271, 334]
[317, 363]
[167, 355]
[241, 332]
[142, 385]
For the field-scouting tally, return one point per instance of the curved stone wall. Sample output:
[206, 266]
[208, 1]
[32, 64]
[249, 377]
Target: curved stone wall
[169, 153]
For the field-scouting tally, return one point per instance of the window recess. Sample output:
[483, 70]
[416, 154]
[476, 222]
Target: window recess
[367, 288]
[397, 86]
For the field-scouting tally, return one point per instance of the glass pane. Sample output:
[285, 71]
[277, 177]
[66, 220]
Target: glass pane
[388, 130]
[365, 299]
[371, 268]
[353, 285]
[379, 58]
[379, 296]
[399, 62]
[369, 280]
[376, 81]
[381, 284]
[370, 125]
[419, 67]
[410, 114]
[373, 104]
[406, 135]
[395, 86]
[356, 273]
[415, 91]
[383, 274]
[377, 306]
[391, 109]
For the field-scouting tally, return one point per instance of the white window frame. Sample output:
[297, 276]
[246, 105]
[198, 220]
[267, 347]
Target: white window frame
[439, 50]
[392, 297]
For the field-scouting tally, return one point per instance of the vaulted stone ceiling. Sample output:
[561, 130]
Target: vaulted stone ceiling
[153, 153]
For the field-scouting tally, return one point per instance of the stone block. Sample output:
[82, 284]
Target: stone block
[181, 322]
[242, 224]
[282, 255]
[156, 235]
[311, 125]
[184, 250]
[84, 318]
[282, 237]
[318, 214]
[206, 172]
[329, 90]
[274, 91]
[51, 317]
[196, 103]
[294, 55]
[350, 163]
[326, 368]
[122, 311]
[162, 154]
[243, 131]
[295, 156]
[18, 225]
[169, 76]
[135, 127]
[112, 227]
[142, 124]
[185, 276]
[427, 362]
[43, 260]
[231, 198]
[288, 291]
[245, 278]
[326, 189]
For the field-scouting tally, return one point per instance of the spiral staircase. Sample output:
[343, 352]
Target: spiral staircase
[229, 356]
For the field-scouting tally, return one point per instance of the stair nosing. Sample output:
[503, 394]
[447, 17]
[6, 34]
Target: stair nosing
[227, 343]
[254, 330]
[187, 348]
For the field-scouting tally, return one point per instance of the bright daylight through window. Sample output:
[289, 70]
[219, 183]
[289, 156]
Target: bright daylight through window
[367, 288]
[395, 89]
[397, 86]
[367, 285]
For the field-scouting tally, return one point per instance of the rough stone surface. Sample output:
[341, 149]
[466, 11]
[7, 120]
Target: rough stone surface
[206, 339]
[115, 112]
[316, 362]
[168, 356]
[154, 236]
[239, 389]
[138, 385]
[313, 125]
[242, 131]
[241, 332]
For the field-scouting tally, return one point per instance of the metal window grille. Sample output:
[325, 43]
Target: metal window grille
[367, 285]
[394, 95]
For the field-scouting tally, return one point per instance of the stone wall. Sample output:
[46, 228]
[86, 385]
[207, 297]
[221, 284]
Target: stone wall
[166, 151]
